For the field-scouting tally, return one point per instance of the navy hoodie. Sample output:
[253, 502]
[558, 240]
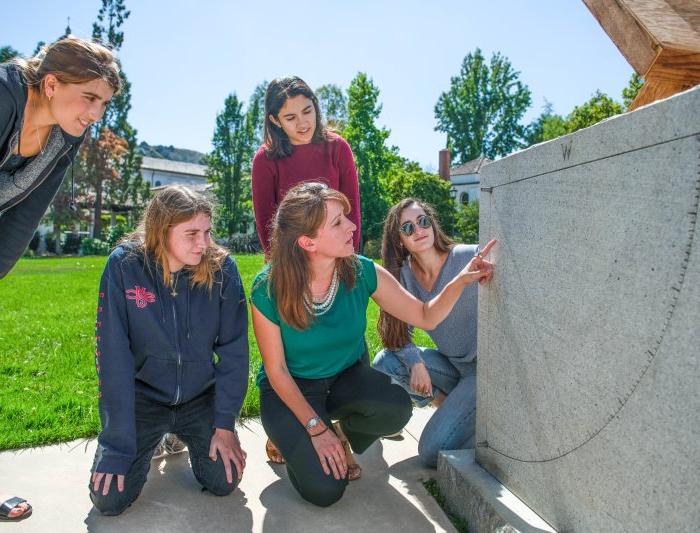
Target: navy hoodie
[170, 349]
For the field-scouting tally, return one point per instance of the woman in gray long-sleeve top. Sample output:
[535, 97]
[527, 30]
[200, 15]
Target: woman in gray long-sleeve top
[424, 259]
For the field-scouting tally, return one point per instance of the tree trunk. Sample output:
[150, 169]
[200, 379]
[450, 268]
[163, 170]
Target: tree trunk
[97, 223]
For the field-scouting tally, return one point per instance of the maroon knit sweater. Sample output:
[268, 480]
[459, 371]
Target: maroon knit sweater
[330, 162]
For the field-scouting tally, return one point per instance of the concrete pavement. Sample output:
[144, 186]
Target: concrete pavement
[389, 497]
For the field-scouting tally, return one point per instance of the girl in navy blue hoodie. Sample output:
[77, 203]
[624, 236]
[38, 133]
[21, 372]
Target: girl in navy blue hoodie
[172, 352]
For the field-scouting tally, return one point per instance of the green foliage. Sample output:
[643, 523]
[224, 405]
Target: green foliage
[630, 92]
[7, 53]
[334, 106]
[410, 181]
[467, 227]
[116, 232]
[599, 107]
[481, 111]
[92, 246]
[373, 249]
[236, 136]
[372, 158]
[434, 490]
[130, 186]
[547, 126]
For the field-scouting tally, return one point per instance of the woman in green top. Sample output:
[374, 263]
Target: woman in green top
[309, 316]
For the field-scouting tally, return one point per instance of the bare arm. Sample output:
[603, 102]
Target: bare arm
[327, 445]
[401, 304]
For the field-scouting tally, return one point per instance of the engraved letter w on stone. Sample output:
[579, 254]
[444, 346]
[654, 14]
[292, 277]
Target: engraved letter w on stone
[566, 150]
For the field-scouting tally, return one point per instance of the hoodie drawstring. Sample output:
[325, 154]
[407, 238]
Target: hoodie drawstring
[72, 205]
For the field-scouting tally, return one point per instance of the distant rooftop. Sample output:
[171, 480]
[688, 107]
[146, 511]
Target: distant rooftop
[176, 167]
[470, 167]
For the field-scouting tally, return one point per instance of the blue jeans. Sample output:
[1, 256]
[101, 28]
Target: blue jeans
[453, 425]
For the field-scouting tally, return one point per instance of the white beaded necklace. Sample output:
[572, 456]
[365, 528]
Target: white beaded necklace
[322, 307]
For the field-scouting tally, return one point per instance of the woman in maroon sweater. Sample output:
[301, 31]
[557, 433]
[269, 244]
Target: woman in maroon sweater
[298, 148]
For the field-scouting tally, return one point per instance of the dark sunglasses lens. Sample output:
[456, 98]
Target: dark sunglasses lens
[407, 229]
[424, 221]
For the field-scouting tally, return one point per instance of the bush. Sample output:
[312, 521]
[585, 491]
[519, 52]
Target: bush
[468, 223]
[90, 246]
[34, 243]
[71, 243]
[243, 244]
[372, 249]
[28, 252]
[116, 232]
[50, 242]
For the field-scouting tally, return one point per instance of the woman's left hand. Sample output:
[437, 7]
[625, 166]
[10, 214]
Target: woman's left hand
[227, 444]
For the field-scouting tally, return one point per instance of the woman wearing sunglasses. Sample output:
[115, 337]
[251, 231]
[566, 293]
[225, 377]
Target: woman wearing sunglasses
[417, 253]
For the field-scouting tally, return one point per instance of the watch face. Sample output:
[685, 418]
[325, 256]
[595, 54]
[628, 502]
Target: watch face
[312, 423]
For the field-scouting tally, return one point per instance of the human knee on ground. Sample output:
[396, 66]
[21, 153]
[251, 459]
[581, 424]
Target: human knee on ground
[212, 475]
[114, 503]
[322, 490]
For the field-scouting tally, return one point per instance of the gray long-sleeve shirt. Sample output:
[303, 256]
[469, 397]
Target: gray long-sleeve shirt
[455, 337]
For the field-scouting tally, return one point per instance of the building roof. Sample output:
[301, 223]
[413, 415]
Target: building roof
[470, 167]
[176, 167]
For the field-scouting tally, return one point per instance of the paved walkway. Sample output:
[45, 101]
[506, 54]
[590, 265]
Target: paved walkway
[389, 497]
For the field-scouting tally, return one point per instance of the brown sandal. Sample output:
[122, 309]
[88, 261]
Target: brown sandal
[354, 470]
[273, 453]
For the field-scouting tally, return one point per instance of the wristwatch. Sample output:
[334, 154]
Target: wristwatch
[313, 422]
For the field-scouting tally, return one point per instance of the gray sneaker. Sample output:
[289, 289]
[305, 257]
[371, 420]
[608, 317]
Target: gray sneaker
[170, 444]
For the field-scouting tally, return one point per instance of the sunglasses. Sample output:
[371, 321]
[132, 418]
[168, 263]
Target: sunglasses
[409, 228]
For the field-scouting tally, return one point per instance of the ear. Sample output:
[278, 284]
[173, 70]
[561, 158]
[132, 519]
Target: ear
[50, 82]
[306, 243]
[274, 120]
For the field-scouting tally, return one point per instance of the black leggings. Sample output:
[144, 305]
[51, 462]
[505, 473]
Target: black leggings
[362, 399]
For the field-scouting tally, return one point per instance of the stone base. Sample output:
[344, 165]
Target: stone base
[473, 494]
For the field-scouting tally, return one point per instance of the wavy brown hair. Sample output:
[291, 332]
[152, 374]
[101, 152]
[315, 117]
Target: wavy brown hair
[71, 60]
[171, 206]
[277, 143]
[302, 212]
[392, 331]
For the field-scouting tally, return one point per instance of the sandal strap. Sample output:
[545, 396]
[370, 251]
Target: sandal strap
[10, 504]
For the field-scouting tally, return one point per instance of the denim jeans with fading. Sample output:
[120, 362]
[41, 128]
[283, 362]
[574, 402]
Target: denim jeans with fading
[453, 425]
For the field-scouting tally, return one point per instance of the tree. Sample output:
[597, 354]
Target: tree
[468, 222]
[599, 107]
[410, 181]
[130, 185]
[7, 53]
[98, 165]
[630, 92]
[334, 106]
[372, 158]
[481, 111]
[236, 137]
[547, 126]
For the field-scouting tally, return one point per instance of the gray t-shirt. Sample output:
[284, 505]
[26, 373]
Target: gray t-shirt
[455, 337]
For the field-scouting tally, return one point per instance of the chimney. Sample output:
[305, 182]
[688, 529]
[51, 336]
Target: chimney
[444, 161]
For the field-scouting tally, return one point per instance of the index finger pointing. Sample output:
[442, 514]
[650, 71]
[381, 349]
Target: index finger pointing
[487, 248]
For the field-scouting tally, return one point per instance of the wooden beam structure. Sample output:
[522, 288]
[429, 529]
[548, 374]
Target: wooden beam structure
[659, 38]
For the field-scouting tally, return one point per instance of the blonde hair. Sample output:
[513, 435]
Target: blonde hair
[71, 60]
[302, 212]
[171, 206]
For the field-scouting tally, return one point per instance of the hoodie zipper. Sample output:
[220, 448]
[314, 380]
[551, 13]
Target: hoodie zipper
[178, 377]
[48, 170]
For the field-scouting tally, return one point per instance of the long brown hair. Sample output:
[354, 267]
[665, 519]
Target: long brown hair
[394, 332]
[71, 60]
[277, 143]
[171, 206]
[302, 212]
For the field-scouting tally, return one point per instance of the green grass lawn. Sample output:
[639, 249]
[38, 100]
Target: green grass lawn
[48, 385]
